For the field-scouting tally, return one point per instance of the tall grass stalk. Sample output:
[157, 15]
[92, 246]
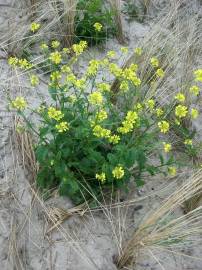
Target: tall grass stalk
[69, 16]
[116, 7]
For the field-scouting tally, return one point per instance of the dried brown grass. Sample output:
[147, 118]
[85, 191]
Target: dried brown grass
[165, 228]
[24, 142]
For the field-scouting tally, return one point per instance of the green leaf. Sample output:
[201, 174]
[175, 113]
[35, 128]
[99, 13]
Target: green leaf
[53, 92]
[42, 152]
[139, 182]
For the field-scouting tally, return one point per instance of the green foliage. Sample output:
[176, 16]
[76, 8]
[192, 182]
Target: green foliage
[90, 12]
[86, 143]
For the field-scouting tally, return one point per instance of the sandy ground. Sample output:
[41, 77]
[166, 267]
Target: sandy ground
[81, 242]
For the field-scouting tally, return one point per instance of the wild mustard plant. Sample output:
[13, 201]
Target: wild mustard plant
[85, 141]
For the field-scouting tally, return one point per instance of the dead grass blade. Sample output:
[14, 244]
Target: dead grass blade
[59, 215]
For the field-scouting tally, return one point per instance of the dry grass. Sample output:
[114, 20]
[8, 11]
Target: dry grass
[116, 7]
[24, 143]
[57, 22]
[165, 228]
[175, 40]
[59, 215]
[69, 17]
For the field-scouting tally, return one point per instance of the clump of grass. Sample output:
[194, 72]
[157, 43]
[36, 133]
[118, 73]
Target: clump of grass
[164, 229]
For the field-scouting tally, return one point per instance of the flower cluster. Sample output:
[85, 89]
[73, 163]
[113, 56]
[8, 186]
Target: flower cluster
[56, 57]
[19, 103]
[62, 127]
[164, 126]
[98, 26]
[55, 114]
[34, 27]
[118, 172]
[21, 63]
[198, 75]
[129, 122]
[79, 48]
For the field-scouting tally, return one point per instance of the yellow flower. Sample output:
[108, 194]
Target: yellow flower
[55, 44]
[80, 83]
[19, 103]
[101, 115]
[138, 107]
[66, 50]
[198, 75]
[98, 26]
[130, 74]
[35, 26]
[172, 171]
[194, 90]
[136, 81]
[111, 54]
[160, 72]
[79, 48]
[177, 122]
[118, 172]
[150, 103]
[115, 70]
[138, 51]
[181, 111]
[65, 69]
[93, 67]
[180, 97]
[96, 98]
[44, 46]
[188, 142]
[56, 57]
[124, 50]
[128, 123]
[101, 177]
[55, 76]
[194, 113]
[24, 64]
[100, 132]
[62, 127]
[34, 80]
[164, 126]
[114, 139]
[159, 112]
[167, 147]
[13, 61]
[131, 116]
[71, 78]
[124, 86]
[105, 87]
[154, 62]
[133, 67]
[55, 114]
